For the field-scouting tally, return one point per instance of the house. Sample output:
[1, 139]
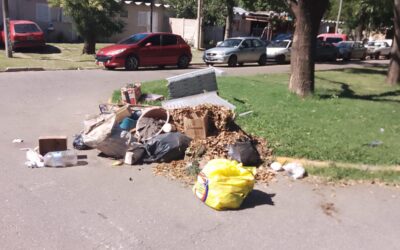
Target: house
[59, 27]
[51, 20]
[137, 18]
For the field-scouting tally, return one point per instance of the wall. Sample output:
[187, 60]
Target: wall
[135, 21]
[186, 28]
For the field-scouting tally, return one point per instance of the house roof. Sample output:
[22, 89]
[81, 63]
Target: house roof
[145, 3]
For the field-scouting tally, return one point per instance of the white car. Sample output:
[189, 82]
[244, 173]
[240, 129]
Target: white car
[375, 49]
[279, 51]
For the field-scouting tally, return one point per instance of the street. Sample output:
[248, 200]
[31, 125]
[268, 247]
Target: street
[97, 206]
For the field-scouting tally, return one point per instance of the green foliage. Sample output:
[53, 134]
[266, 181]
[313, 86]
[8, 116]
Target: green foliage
[365, 13]
[265, 5]
[93, 18]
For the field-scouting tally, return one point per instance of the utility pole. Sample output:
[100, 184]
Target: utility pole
[151, 15]
[199, 23]
[338, 16]
[6, 25]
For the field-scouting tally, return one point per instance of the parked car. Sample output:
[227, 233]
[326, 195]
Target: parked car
[375, 49]
[146, 49]
[237, 50]
[24, 34]
[279, 51]
[352, 50]
[326, 52]
[333, 38]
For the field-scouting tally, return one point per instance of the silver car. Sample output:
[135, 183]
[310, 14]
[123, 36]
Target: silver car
[237, 50]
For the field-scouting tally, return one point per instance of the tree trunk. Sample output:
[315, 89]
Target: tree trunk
[229, 19]
[308, 14]
[393, 76]
[89, 46]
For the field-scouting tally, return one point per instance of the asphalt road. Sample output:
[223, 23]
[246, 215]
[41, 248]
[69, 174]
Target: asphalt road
[96, 206]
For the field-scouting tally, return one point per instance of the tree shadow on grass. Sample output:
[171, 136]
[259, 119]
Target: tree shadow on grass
[347, 92]
[47, 49]
[257, 198]
[377, 70]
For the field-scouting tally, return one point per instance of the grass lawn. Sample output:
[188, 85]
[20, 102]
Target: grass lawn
[60, 56]
[353, 116]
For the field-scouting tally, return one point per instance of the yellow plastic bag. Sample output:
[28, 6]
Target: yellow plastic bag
[224, 184]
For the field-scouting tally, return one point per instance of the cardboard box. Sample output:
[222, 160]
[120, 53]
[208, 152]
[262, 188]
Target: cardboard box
[122, 112]
[131, 93]
[52, 143]
[196, 127]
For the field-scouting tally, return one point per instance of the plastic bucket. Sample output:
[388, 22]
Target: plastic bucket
[156, 113]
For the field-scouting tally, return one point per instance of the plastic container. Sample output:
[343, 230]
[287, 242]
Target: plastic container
[157, 113]
[61, 159]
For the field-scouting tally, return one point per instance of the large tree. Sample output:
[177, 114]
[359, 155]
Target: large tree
[394, 67]
[93, 19]
[308, 15]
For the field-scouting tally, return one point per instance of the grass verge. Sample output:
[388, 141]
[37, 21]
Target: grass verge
[353, 116]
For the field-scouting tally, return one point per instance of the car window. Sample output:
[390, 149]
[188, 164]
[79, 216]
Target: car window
[26, 28]
[278, 44]
[154, 40]
[257, 43]
[333, 39]
[133, 39]
[246, 44]
[168, 40]
[230, 43]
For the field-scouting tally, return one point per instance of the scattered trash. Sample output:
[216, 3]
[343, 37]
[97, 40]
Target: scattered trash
[375, 143]
[131, 93]
[246, 113]
[134, 154]
[117, 163]
[130, 179]
[18, 141]
[168, 127]
[35, 160]
[52, 143]
[224, 184]
[166, 147]
[295, 170]
[196, 126]
[79, 144]
[152, 97]
[276, 166]
[151, 122]
[60, 159]
[382, 130]
[244, 152]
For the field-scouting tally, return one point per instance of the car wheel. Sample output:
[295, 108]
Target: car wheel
[232, 61]
[377, 55]
[183, 62]
[240, 64]
[363, 57]
[388, 56]
[131, 63]
[281, 59]
[347, 57]
[263, 60]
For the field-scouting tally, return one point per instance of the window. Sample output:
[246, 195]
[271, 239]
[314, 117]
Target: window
[247, 44]
[257, 43]
[133, 39]
[154, 40]
[169, 40]
[333, 39]
[26, 28]
[143, 18]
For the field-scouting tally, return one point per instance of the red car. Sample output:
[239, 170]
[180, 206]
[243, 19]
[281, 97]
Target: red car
[24, 34]
[146, 49]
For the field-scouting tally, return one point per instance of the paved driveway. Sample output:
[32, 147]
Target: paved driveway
[96, 206]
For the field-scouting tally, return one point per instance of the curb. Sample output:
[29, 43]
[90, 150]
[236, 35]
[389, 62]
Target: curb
[20, 69]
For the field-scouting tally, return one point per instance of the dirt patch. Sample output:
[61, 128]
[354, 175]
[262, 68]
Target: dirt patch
[329, 209]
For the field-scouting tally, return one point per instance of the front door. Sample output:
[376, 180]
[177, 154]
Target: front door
[150, 51]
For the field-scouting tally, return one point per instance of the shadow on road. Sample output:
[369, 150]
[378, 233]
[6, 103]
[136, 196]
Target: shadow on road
[257, 198]
[47, 49]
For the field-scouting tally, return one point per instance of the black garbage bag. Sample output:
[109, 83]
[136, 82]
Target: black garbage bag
[244, 152]
[166, 147]
[79, 144]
